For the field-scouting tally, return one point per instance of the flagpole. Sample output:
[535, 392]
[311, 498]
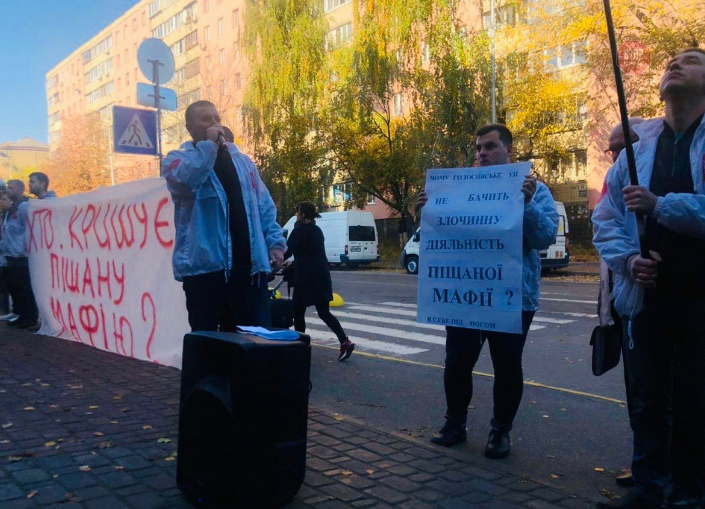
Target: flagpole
[628, 148]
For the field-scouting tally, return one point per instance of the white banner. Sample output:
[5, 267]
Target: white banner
[470, 252]
[101, 270]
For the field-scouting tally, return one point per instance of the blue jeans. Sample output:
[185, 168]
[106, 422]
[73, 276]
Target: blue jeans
[216, 304]
[463, 347]
[667, 385]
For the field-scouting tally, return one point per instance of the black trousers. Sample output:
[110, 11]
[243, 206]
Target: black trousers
[667, 385]
[216, 304]
[463, 347]
[19, 285]
[323, 310]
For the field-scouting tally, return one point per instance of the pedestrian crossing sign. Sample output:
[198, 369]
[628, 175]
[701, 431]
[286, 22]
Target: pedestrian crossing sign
[134, 130]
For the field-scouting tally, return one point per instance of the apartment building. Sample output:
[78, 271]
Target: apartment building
[205, 37]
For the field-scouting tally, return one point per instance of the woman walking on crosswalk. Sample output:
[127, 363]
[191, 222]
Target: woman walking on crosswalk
[311, 280]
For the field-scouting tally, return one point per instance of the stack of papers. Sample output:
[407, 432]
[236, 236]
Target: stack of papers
[279, 335]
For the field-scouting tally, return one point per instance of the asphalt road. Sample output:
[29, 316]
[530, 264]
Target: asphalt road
[572, 429]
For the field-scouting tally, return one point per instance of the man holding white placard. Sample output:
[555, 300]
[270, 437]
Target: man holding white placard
[463, 345]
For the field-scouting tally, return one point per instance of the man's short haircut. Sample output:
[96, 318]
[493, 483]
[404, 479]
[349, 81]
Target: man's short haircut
[505, 135]
[41, 177]
[16, 182]
[193, 106]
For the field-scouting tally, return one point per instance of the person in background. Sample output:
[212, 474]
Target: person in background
[13, 246]
[5, 308]
[663, 293]
[312, 282]
[605, 303]
[227, 239]
[39, 185]
[463, 346]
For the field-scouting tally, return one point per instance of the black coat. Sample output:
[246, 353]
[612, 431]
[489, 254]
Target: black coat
[312, 283]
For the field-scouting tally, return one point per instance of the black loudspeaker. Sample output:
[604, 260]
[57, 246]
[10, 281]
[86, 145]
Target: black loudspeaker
[243, 419]
[282, 313]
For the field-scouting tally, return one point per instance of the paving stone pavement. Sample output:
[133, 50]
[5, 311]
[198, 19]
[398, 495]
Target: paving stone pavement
[81, 428]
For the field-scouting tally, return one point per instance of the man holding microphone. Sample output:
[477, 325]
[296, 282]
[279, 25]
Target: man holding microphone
[227, 239]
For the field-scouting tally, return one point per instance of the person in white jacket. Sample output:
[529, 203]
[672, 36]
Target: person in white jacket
[663, 294]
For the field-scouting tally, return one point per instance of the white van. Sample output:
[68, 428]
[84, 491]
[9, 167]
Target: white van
[556, 256]
[350, 236]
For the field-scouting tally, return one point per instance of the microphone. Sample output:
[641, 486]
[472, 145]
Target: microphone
[221, 140]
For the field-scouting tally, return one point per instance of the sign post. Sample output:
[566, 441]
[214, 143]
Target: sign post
[156, 62]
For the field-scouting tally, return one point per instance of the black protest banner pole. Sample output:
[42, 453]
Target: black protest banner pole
[628, 148]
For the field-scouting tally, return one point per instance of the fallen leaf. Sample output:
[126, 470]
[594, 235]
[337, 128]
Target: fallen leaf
[551, 456]
[14, 459]
[119, 396]
[338, 418]
[599, 469]
[27, 385]
[146, 426]
[29, 408]
[170, 458]
[607, 493]
[113, 422]
[93, 407]
[545, 416]
[32, 493]
[99, 433]
[164, 440]
[119, 467]
[556, 476]
[75, 387]
[370, 471]
[4, 441]
[346, 472]
[84, 468]
[50, 444]
[7, 425]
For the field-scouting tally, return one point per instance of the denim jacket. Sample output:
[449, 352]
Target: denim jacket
[202, 241]
[616, 237]
[540, 229]
[13, 237]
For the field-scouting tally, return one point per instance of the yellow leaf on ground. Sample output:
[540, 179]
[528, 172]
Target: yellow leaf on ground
[370, 471]
[113, 422]
[99, 434]
[32, 493]
[146, 426]
[84, 468]
[599, 469]
[29, 408]
[164, 440]
[338, 418]
[119, 467]
[50, 444]
[170, 458]
[346, 472]
[93, 407]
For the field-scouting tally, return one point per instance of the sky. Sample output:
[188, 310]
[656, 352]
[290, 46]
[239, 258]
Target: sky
[34, 37]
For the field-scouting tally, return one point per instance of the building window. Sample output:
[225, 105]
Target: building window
[329, 5]
[220, 26]
[186, 15]
[206, 6]
[54, 118]
[207, 34]
[221, 56]
[99, 71]
[425, 53]
[236, 49]
[208, 63]
[338, 36]
[342, 192]
[117, 60]
[134, 24]
[100, 48]
[189, 97]
[371, 199]
[566, 56]
[144, 18]
[236, 18]
[398, 109]
[99, 92]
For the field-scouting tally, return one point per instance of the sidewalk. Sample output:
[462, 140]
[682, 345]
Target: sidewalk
[80, 428]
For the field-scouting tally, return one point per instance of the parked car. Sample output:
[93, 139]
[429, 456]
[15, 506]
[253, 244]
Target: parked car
[555, 257]
[350, 237]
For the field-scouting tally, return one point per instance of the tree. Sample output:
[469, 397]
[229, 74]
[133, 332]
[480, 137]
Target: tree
[80, 162]
[407, 94]
[285, 42]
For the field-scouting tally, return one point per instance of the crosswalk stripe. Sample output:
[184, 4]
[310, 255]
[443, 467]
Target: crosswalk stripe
[366, 344]
[384, 331]
[399, 304]
[405, 312]
[386, 319]
[571, 300]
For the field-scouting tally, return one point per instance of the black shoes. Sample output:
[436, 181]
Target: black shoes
[632, 500]
[625, 480]
[452, 433]
[498, 445]
[346, 350]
